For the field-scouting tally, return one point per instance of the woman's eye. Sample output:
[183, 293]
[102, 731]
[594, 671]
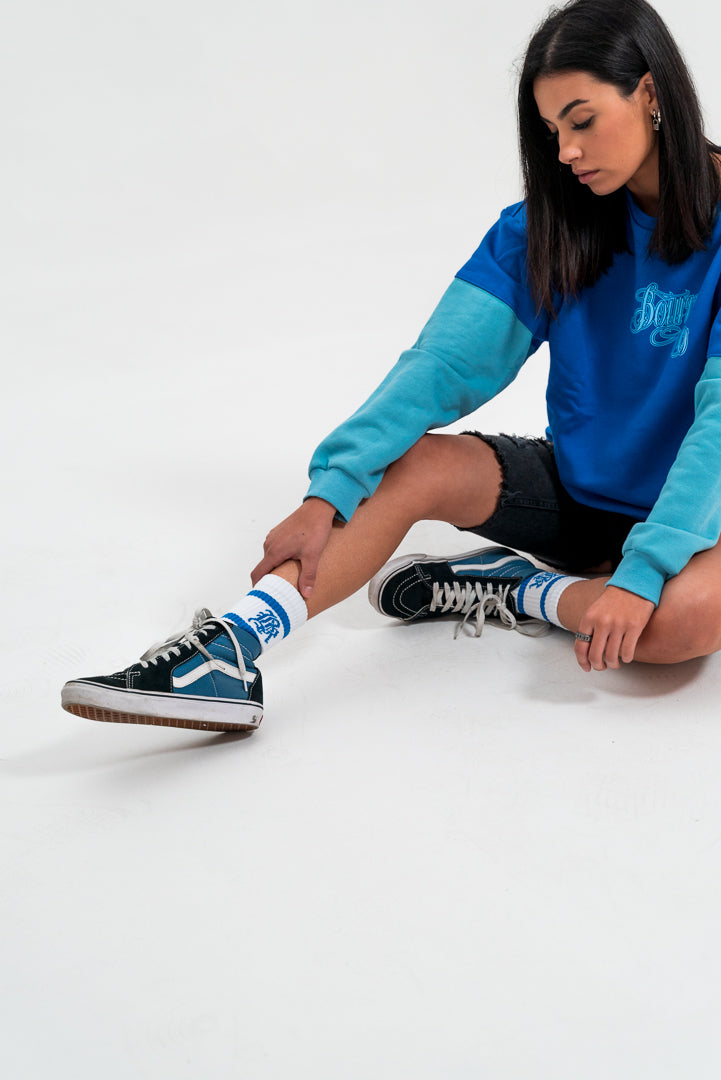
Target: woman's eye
[583, 126]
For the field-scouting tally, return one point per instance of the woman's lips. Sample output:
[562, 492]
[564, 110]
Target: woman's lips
[584, 177]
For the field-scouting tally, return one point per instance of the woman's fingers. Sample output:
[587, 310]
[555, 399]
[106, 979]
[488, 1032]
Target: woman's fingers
[610, 629]
[302, 537]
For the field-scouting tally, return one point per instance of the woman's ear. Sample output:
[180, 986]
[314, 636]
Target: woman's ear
[646, 85]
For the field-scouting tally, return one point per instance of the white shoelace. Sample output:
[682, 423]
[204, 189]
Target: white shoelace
[477, 600]
[173, 645]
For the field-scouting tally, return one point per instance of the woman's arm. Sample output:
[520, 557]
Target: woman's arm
[686, 516]
[471, 348]
[685, 519]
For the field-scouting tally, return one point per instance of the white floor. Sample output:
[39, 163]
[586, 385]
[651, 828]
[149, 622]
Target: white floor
[436, 858]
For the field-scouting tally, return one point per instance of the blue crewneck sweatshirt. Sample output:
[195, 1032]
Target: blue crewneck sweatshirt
[634, 390]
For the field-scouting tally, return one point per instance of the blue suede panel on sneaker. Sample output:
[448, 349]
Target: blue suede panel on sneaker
[214, 683]
[245, 636]
[222, 647]
[207, 686]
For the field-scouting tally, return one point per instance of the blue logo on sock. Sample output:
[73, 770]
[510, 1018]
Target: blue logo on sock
[267, 624]
[540, 579]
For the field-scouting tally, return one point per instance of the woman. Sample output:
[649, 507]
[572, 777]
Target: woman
[614, 258]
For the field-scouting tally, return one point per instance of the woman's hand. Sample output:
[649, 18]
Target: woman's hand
[303, 537]
[615, 622]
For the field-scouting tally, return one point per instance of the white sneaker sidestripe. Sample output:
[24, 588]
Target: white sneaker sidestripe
[466, 568]
[181, 681]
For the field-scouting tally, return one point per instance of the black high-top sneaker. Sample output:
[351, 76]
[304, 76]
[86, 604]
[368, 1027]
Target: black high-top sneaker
[204, 678]
[476, 584]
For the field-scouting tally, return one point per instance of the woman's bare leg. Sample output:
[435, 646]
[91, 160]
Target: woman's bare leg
[457, 478]
[453, 478]
[576, 600]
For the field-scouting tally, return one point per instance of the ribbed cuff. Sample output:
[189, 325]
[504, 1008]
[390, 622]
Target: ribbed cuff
[636, 574]
[337, 488]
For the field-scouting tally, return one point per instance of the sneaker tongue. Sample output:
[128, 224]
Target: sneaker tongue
[202, 615]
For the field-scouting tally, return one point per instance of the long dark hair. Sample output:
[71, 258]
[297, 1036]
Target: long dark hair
[572, 233]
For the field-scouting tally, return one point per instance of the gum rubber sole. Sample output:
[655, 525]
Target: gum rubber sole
[113, 716]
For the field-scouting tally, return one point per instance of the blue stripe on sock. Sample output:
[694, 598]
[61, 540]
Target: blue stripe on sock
[543, 597]
[241, 623]
[248, 649]
[521, 591]
[277, 608]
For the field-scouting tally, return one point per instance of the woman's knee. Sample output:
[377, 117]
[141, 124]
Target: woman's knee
[686, 625]
[421, 458]
[414, 477]
[449, 476]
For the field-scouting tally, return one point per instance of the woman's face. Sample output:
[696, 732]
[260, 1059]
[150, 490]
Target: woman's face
[607, 139]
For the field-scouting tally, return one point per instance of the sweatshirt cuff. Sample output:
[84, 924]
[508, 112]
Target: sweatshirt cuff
[337, 488]
[636, 574]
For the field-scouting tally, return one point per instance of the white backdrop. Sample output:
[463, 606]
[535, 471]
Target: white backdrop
[223, 221]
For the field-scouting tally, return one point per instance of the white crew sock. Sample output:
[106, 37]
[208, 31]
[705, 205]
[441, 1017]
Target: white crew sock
[270, 610]
[538, 595]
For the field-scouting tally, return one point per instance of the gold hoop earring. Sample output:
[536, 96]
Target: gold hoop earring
[656, 120]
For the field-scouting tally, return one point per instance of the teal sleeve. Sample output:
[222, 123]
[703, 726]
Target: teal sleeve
[471, 348]
[686, 517]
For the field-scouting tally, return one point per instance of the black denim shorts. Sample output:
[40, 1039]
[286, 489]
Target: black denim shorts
[536, 514]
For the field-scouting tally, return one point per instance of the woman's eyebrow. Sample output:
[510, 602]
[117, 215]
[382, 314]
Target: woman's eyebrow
[567, 108]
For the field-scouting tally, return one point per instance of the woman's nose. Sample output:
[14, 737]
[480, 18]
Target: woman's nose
[568, 151]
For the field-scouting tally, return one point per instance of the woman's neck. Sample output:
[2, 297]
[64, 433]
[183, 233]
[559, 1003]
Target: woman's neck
[644, 185]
